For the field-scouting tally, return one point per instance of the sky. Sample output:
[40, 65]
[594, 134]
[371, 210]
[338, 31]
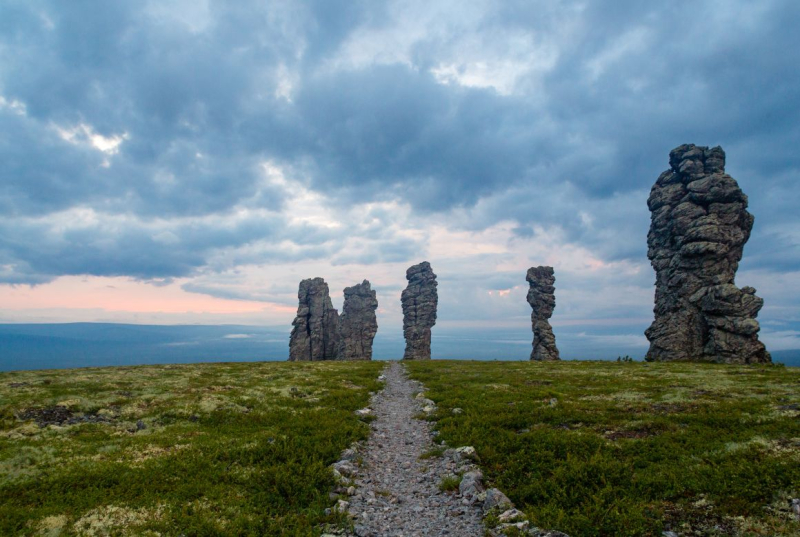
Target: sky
[189, 162]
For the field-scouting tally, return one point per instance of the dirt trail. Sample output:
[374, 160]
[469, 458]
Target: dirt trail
[397, 493]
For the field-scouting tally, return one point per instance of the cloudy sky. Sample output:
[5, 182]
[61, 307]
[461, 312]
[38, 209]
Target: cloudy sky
[191, 161]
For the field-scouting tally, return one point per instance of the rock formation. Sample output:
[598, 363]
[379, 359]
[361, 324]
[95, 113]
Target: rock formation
[314, 336]
[357, 324]
[542, 299]
[419, 300]
[699, 225]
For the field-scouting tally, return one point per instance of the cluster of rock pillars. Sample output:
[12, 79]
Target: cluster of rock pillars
[699, 226]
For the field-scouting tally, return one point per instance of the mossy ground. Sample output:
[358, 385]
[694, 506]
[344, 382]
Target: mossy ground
[207, 449]
[599, 448]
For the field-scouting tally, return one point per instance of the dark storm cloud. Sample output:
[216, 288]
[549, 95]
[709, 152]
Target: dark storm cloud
[199, 105]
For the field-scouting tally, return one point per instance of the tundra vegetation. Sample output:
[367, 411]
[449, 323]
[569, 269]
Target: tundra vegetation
[629, 448]
[207, 449]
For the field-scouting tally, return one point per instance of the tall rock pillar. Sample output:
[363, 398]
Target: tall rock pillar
[541, 297]
[419, 300]
[358, 324]
[699, 226]
[315, 328]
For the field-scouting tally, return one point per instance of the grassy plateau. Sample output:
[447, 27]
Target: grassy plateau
[208, 449]
[605, 448]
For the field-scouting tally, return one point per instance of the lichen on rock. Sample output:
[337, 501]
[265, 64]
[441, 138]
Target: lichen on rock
[699, 226]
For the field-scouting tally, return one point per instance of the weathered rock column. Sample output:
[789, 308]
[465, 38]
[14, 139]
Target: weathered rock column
[358, 324]
[699, 226]
[315, 329]
[541, 297]
[420, 300]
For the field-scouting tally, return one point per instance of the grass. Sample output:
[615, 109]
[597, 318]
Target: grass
[450, 483]
[208, 449]
[599, 448]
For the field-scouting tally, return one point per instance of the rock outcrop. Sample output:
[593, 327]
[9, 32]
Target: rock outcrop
[419, 300]
[357, 324]
[314, 336]
[542, 299]
[699, 226]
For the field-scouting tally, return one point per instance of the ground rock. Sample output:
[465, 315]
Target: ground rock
[349, 454]
[419, 300]
[699, 226]
[541, 297]
[357, 324]
[471, 485]
[315, 328]
[510, 515]
[467, 452]
[345, 468]
[495, 499]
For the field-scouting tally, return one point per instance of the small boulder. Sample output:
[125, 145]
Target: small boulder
[471, 485]
[468, 452]
[511, 515]
[349, 454]
[345, 468]
[341, 506]
[495, 499]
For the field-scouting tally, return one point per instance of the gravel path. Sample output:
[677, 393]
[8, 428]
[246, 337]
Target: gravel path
[397, 494]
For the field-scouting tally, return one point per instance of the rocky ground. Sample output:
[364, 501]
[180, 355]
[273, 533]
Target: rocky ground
[397, 493]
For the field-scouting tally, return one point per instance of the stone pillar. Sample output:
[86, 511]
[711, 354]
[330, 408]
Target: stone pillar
[358, 324]
[315, 328]
[541, 297]
[699, 226]
[419, 311]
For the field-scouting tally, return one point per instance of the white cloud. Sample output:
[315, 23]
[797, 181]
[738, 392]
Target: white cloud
[83, 134]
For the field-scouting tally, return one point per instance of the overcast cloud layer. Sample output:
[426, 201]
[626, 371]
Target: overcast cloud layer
[233, 148]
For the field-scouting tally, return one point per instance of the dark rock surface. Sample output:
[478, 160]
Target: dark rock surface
[358, 324]
[420, 300]
[315, 333]
[699, 226]
[542, 299]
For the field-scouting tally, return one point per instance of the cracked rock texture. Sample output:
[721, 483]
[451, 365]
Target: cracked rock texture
[358, 324]
[315, 328]
[420, 300]
[542, 299]
[699, 226]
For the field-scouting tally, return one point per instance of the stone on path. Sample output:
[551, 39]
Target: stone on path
[396, 492]
[420, 301]
[699, 226]
[541, 297]
[358, 324]
[315, 328]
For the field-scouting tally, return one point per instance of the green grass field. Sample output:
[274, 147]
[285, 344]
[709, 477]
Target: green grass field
[601, 448]
[590, 448]
[210, 449]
